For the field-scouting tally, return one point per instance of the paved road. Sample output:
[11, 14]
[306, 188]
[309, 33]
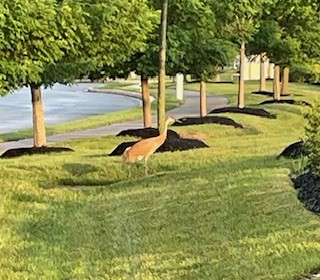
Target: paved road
[190, 107]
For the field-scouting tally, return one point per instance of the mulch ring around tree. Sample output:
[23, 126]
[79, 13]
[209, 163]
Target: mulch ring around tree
[174, 141]
[146, 133]
[286, 101]
[294, 150]
[267, 93]
[308, 187]
[206, 120]
[11, 153]
[250, 111]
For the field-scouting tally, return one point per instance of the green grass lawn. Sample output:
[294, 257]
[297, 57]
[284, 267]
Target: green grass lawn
[224, 212]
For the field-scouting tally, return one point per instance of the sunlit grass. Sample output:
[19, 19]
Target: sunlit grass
[297, 91]
[224, 212]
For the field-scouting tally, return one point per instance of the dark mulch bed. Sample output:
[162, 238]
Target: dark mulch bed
[250, 111]
[268, 93]
[286, 101]
[146, 133]
[173, 142]
[33, 150]
[207, 119]
[308, 187]
[294, 150]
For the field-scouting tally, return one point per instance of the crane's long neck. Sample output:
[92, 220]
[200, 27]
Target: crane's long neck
[163, 135]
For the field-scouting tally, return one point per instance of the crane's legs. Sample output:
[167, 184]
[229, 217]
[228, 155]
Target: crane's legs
[145, 166]
[129, 171]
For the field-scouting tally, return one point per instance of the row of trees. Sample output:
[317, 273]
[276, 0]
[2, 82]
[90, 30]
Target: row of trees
[48, 41]
[203, 35]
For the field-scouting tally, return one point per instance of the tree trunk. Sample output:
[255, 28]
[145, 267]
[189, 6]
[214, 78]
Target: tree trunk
[241, 77]
[203, 99]
[162, 68]
[147, 116]
[262, 73]
[285, 81]
[39, 129]
[276, 83]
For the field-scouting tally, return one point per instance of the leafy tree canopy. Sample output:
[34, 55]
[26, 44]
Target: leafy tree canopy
[193, 44]
[49, 41]
[239, 19]
[32, 34]
[299, 22]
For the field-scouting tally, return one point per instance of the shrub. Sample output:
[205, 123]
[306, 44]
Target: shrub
[312, 131]
[305, 73]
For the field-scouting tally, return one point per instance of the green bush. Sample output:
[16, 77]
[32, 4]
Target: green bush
[305, 73]
[312, 130]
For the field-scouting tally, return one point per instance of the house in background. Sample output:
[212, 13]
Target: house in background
[252, 68]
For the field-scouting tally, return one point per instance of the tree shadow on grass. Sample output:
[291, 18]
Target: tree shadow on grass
[286, 101]
[79, 168]
[79, 176]
[79, 183]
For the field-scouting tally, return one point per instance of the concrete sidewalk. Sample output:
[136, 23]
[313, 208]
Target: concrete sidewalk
[190, 107]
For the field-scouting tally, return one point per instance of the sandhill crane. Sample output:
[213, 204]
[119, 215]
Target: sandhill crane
[146, 147]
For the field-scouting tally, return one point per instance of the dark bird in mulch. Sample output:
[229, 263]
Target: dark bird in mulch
[206, 120]
[286, 101]
[250, 111]
[11, 153]
[294, 150]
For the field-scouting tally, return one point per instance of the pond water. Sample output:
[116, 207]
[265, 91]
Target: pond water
[61, 103]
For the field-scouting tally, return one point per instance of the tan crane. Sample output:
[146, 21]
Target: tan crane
[146, 147]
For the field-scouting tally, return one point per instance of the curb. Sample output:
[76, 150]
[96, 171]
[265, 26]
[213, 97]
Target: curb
[120, 92]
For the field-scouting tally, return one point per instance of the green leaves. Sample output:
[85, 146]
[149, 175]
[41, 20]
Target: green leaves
[40, 38]
[194, 45]
[239, 18]
[266, 37]
[312, 131]
[299, 25]
[31, 38]
[119, 29]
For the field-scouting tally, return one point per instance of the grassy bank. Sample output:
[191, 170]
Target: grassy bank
[82, 124]
[224, 212]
